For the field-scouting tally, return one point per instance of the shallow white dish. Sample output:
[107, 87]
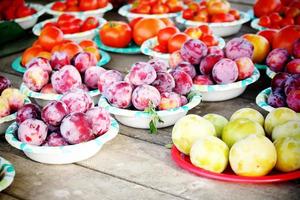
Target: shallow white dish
[7, 173]
[95, 13]
[141, 119]
[148, 45]
[227, 91]
[220, 29]
[7, 120]
[43, 99]
[262, 99]
[125, 12]
[270, 73]
[63, 154]
[254, 24]
[76, 37]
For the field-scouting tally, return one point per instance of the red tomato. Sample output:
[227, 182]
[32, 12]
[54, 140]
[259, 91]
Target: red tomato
[87, 43]
[222, 17]
[174, 5]
[146, 29]
[71, 49]
[89, 23]
[159, 9]
[176, 41]
[65, 18]
[69, 27]
[164, 35]
[10, 13]
[50, 24]
[102, 3]
[188, 14]
[161, 48]
[205, 30]
[292, 12]
[59, 6]
[218, 7]
[268, 34]
[72, 2]
[116, 34]
[264, 21]
[286, 2]
[209, 40]
[235, 13]
[50, 36]
[24, 11]
[30, 53]
[73, 9]
[287, 21]
[134, 21]
[141, 8]
[88, 5]
[286, 36]
[265, 7]
[275, 18]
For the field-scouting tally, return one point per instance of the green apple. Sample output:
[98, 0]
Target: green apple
[277, 117]
[290, 128]
[248, 113]
[253, 156]
[240, 128]
[210, 153]
[189, 129]
[218, 121]
[288, 154]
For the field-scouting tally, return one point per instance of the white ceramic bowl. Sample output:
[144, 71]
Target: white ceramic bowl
[270, 73]
[6, 121]
[63, 154]
[29, 21]
[254, 24]
[226, 91]
[148, 45]
[7, 173]
[125, 12]
[76, 37]
[141, 119]
[43, 99]
[262, 99]
[95, 13]
[221, 29]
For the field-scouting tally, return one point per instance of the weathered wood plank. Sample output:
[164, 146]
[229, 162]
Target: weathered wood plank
[4, 196]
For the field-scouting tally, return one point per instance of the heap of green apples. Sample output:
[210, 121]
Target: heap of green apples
[251, 144]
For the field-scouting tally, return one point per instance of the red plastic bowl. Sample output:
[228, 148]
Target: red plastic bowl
[228, 175]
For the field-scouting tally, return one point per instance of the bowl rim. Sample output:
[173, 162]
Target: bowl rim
[124, 11]
[78, 13]
[262, 99]
[49, 97]
[193, 102]
[244, 18]
[38, 27]
[225, 87]
[147, 47]
[254, 24]
[9, 173]
[13, 116]
[38, 7]
[270, 73]
[98, 141]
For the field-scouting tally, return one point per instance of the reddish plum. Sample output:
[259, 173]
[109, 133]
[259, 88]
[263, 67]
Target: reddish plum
[208, 62]
[183, 82]
[277, 59]
[142, 73]
[203, 80]
[193, 51]
[292, 83]
[215, 50]
[293, 100]
[54, 112]
[35, 78]
[238, 47]
[245, 67]
[48, 89]
[293, 67]
[107, 78]
[187, 67]
[65, 79]
[28, 111]
[82, 87]
[175, 59]
[40, 62]
[82, 61]
[59, 60]
[77, 100]
[32, 131]
[76, 128]
[55, 140]
[225, 71]
[145, 95]
[4, 83]
[164, 82]
[169, 100]
[296, 49]
[279, 80]
[119, 94]
[159, 65]
[91, 76]
[14, 98]
[183, 100]
[100, 120]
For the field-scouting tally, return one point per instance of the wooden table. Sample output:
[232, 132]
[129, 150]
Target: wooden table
[135, 165]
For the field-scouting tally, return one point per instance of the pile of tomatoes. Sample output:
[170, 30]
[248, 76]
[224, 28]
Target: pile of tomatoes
[170, 39]
[69, 24]
[79, 5]
[12, 9]
[52, 40]
[156, 6]
[278, 13]
[210, 11]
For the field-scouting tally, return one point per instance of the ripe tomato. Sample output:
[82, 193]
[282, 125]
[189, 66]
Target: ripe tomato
[141, 8]
[285, 37]
[275, 18]
[193, 32]
[44, 54]
[87, 43]
[188, 14]
[194, 6]
[268, 34]
[264, 21]
[265, 7]
[133, 22]
[71, 49]
[72, 2]
[218, 7]
[174, 5]
[235, 13]
[287, 21]
[10, 13]
[209, 40]
[146, 29]
[70, 27]
[24, 11]
[164, 35]
[161, 48]
[102, 3]
[59, 6]
[88, 5]
[29, 54]
[159, 9]
[292, 12]
[50, 24]
[89, 23]
[176, 41]
[205, 30]
[222, 17]
[50, 36]
[93, 50]
[116, 34]
[65, 18]
[73, 9]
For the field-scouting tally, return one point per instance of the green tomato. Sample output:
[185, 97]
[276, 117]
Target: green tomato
[248, 113]
[218, 121]
[290, 128]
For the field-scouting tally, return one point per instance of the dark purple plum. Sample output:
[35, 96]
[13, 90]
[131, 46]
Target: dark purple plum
[292, 83]
[28, 111]
[276, 100]
[187, 67]
[279, 80]
[193, 51]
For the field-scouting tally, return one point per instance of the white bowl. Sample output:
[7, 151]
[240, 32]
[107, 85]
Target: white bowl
[63, 154]
[254, 24]
[141, 119]
[43, 99]
[7, 120]
[262, 99]
[220, 29]
[76, 37]
[125, 12]
[7, 173]
[226, 91]
[270, 73]
[148, 45]
[94, 13]
[29, 21]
